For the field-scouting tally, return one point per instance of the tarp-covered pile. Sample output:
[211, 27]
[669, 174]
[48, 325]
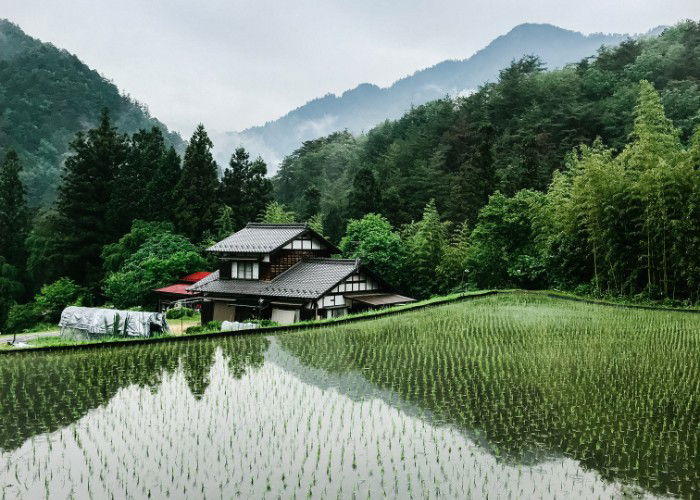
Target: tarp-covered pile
[234, 326]
[96, 322]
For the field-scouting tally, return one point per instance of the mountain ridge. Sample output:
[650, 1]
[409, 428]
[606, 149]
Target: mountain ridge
[367, 104]
[47, 95]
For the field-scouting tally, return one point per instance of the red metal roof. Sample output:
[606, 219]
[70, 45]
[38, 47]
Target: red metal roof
[177, 289]
[195, 277]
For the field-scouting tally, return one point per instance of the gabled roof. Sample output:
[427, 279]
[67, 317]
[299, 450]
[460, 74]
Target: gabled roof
[307, 279]
[311, 278]
[263, 238]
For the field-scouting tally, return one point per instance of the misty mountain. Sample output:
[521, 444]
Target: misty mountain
[46, 96]
[366, 105]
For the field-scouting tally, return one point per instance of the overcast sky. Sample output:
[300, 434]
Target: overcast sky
[235, 63]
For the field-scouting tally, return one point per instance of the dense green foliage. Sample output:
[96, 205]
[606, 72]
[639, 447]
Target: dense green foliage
[10, 288]
[581, 178]
[626, 227]
[366, 105]
[14, 224]
[46, 96]
[373, 241]
[276, 213]
[245, 188]
[509, 135]
[630, 222]
[152, 255]
[14, 221]
[46, 306]
[196, 188]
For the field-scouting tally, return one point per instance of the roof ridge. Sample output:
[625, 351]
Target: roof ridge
[275, 225]
[331, 260]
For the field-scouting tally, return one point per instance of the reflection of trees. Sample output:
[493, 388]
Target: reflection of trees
[197, 358]
[525, 399]
[42, 392]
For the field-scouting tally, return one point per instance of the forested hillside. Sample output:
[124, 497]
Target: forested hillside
[46, 96]
[363, 107]
[509, 135]
[585, 178]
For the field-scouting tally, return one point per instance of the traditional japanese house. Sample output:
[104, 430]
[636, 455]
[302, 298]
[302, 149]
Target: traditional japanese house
[284, 272]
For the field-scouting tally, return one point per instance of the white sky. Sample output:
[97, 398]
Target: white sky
[232, 64]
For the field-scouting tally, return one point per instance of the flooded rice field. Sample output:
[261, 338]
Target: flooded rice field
[503, 397]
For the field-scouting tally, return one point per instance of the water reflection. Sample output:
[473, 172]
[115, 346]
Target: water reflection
[626, 408]
[42, 392]
[414, 406]
[269, 433]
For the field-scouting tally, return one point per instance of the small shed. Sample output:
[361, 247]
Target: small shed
[169, 296]
[98, 322]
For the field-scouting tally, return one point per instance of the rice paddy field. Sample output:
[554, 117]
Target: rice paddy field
[509, 396]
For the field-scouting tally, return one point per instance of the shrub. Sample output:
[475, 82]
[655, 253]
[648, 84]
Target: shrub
[22, 317]
[179, 312]
[213, 326]
[194, 329]
[55, 297]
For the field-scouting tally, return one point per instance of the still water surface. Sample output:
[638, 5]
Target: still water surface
[284, 416]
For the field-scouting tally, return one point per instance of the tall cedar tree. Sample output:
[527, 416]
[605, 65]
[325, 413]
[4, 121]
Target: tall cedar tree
[245, 188]
[312, 203]
[130, 195]
[196, 191]
[364, 197]
[83, 196]
[161, 195]
[13, 211]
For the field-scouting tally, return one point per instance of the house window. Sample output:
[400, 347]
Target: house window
[244, 270]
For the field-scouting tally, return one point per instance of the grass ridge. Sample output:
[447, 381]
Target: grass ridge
[351, 318]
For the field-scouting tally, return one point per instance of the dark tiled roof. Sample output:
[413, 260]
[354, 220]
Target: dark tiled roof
[259, 238]
[308, 279]
[212, 284]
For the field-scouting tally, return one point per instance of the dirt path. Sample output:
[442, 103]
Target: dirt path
[26, 337]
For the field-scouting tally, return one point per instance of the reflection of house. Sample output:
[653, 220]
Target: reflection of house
[284, 272]
[178, 292]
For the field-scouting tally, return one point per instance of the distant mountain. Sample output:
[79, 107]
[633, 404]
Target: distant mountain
[46, 96]
[366, 105]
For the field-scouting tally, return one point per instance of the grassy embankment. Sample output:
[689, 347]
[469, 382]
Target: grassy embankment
[179, 326]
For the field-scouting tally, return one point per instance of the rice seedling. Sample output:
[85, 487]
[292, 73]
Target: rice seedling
[508, 397]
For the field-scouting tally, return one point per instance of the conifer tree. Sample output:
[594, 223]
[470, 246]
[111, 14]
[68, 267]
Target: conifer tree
[311, 202]
[258, 189]
[245, 187]
[196, 203]
[364, 197]
[129, 196]
[13, 211]
[83, 199]
[160, 193]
